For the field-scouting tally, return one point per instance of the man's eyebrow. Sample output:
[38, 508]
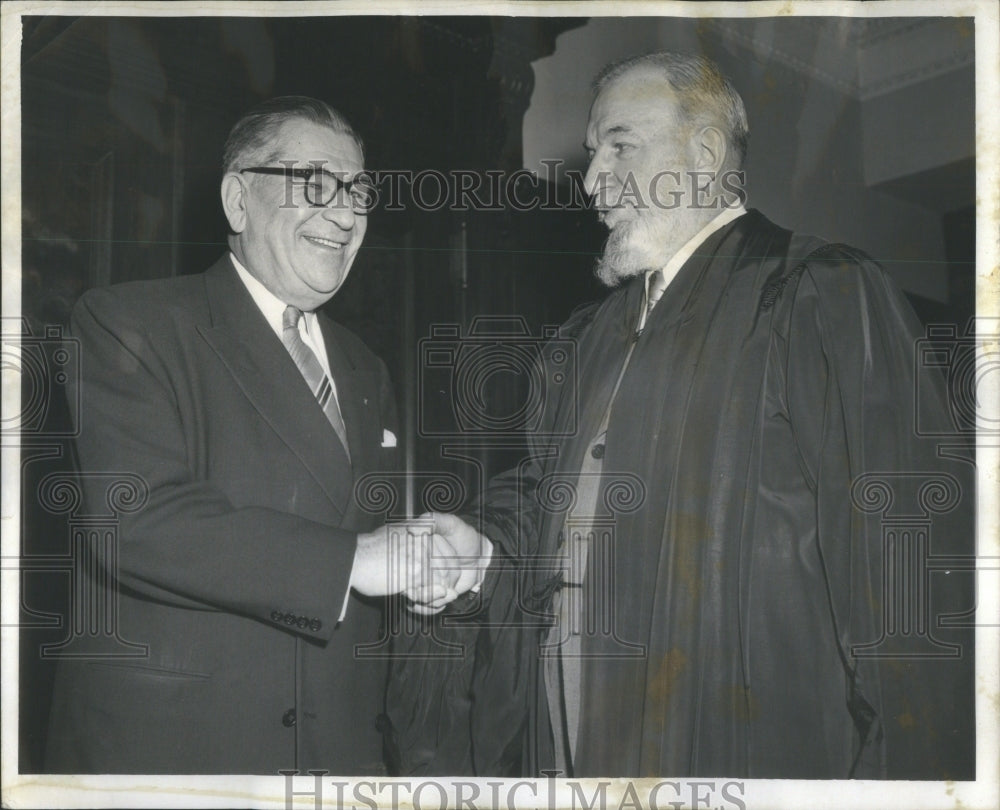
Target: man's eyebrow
[345, 175]
[300, 168]
[272, 156]
[617, 129]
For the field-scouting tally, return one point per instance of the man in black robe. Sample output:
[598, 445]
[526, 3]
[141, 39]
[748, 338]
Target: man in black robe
[702, 570]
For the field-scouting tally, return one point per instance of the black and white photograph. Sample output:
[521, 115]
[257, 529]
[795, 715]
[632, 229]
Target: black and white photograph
[568, 405]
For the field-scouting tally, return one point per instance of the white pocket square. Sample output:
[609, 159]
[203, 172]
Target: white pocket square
[388, 438]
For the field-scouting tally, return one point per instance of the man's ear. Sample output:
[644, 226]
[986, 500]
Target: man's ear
[234, 201]
[710, 149]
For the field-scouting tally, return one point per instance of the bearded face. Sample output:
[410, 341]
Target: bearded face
[642, 154]
[632, 247]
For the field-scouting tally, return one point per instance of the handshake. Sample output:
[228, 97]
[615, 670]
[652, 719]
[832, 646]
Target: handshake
[431, 560]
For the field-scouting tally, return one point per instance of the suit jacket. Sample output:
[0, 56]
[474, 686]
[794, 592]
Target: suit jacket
[234, 570]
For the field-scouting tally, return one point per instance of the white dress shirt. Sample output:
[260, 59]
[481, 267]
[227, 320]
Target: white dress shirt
[273, 310]
[671, 268]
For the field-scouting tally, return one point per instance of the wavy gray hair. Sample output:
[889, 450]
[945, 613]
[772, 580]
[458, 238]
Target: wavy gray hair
[704, 93]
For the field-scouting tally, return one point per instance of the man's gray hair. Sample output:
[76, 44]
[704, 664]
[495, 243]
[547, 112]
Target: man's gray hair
[704, 93]
[256, 130]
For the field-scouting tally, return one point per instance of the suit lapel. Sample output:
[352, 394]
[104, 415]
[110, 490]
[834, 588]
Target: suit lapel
[272, 383]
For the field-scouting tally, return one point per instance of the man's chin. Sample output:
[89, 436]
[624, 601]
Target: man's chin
[615, 267]
[623, 257]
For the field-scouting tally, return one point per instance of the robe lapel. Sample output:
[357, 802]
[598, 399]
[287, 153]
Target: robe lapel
[703, 276]
[272, 383]
[684, 423]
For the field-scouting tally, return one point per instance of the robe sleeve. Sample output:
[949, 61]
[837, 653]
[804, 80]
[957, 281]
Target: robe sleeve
[472, 711]
[889, 502]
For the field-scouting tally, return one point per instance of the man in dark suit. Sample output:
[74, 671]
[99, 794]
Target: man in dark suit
[250, 573]
[704, 521]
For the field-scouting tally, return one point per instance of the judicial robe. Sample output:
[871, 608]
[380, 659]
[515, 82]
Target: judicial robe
[767, 489]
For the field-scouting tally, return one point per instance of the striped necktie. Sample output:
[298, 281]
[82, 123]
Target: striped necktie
[657, 284]
[319, 383]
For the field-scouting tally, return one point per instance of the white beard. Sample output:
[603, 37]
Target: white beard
[634, 246]
[647, 242]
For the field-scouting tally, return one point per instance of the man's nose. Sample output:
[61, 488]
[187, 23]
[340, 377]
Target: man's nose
[340, 210]
[598, 177]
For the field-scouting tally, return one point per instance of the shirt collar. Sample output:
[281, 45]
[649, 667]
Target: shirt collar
[676, 262]
[271, 307]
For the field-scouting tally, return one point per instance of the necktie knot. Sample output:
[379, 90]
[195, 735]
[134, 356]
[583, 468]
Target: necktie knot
[290, 318]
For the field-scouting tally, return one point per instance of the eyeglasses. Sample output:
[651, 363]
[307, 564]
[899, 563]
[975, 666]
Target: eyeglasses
[321, 186]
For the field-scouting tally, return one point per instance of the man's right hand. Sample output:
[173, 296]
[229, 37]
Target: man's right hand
[460, 557]
[397, 557]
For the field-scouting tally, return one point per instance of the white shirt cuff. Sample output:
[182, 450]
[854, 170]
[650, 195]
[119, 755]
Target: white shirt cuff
[343, 610]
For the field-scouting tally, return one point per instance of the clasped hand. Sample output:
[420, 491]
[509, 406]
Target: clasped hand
[432, 560]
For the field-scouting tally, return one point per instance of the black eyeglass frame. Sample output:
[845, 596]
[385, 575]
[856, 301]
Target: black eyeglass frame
[361, 182]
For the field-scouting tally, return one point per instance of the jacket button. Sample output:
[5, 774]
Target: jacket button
[597, 451]
[315, 625]
[288, 718]
[277, 616]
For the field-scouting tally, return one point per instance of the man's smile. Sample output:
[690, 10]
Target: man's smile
[328, 243]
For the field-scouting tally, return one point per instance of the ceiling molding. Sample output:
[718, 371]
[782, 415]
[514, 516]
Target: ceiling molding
[907, 54]
[783, 44]
[863, 58]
